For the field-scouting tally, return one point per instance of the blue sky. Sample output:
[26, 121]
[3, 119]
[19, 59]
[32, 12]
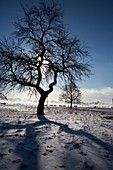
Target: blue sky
[89, 20]
[92, 22]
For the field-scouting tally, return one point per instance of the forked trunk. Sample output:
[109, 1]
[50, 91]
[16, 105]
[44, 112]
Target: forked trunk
[44, 94]
[40, 108]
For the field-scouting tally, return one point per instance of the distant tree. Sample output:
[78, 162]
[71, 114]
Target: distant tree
[41, 52]
[71, 95]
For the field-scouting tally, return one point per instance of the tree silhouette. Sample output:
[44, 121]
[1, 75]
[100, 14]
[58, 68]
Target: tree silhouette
[41, 53]
[71, 94]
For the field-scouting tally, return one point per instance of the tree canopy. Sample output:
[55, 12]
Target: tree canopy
[71, 94]
[41, 51]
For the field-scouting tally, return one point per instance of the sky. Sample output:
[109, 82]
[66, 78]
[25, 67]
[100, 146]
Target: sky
[92, 22]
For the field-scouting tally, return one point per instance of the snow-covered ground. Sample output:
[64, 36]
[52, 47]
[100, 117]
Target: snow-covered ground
[76, 139]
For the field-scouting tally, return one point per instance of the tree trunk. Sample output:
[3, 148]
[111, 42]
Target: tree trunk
[44, 95]
[40, 108]
[71, 105]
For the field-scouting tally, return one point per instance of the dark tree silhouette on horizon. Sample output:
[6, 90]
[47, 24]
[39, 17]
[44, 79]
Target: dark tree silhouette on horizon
[71, 94]
[41, 53]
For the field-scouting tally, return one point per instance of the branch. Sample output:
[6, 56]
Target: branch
[54, 81]
[23, 82]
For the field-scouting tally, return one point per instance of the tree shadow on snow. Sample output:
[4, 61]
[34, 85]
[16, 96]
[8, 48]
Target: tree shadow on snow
[65, 128]
[28, 147]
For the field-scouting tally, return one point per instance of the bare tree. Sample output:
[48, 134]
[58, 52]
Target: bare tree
[41, 53]
[71, 94]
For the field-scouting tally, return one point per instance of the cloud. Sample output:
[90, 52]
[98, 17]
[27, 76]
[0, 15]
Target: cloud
[103, 95]
[54, 96]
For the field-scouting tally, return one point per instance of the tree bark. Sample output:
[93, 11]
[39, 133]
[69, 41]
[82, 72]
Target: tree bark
[71, 102]
[40, 108]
